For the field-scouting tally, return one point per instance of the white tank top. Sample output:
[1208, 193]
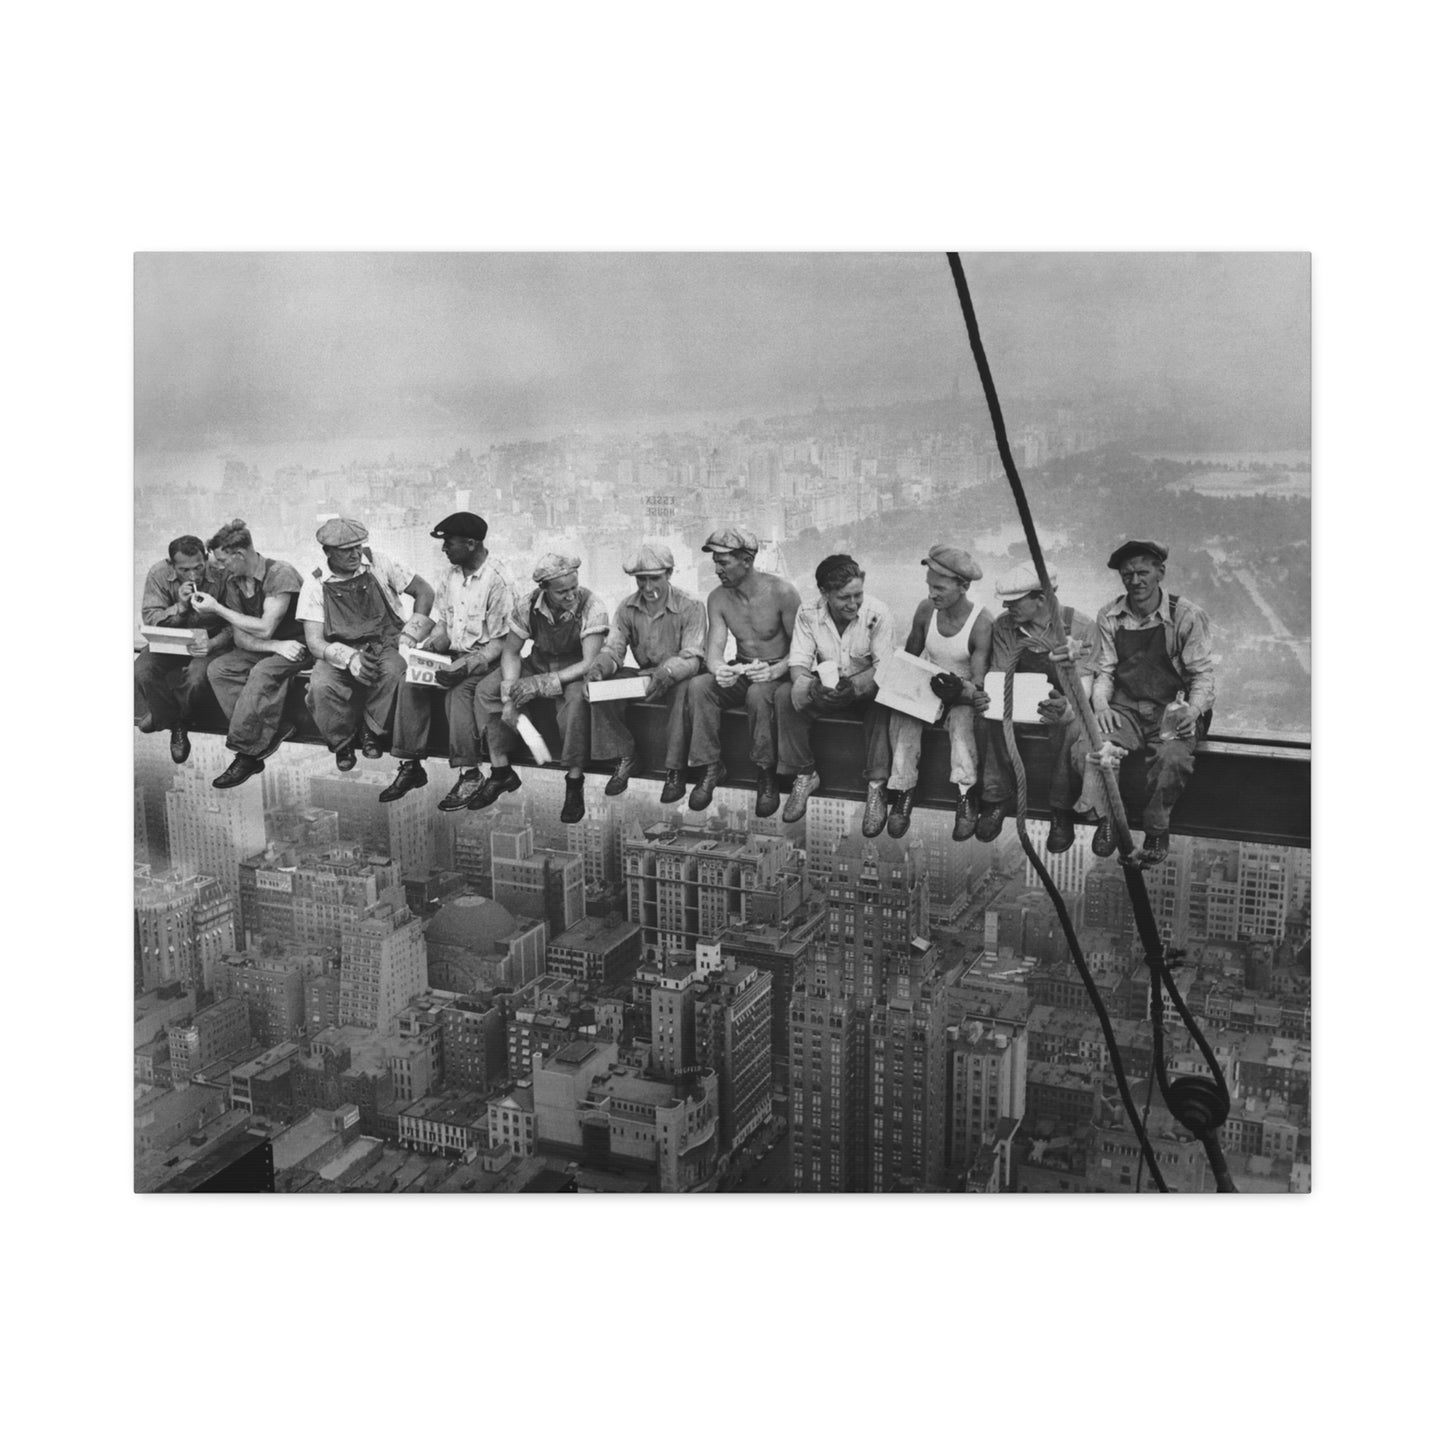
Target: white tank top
[950, 652]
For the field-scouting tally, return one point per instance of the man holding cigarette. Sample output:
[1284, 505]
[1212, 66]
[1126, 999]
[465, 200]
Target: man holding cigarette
[566, 624]
[473, 610]
[351, 611]
[757, 609]
[666, 630]
[167, 684]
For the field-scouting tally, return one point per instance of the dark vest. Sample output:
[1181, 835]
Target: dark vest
[556, 645]
[356, 609]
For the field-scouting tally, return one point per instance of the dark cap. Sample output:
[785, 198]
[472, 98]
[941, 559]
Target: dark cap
[1137, 549]
[954, 560]
[731, 539]
[462, 524]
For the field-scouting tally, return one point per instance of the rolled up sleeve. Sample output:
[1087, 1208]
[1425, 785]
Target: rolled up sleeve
[804, 650]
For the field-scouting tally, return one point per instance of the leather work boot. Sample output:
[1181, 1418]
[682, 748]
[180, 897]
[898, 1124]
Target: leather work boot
[713, 776]
[900, 815]
[1156, 849]
[990, 823]
[673, 787]
[180, 745]
[346, 756]
[371, 745]
[574, 805]
[1061, 833]
[768, 796]
[804, 786]
[240, 769]
[875, 810]
[1106, 839]
[617, 783]
[966, 819]
[467, 783]
[499, 781]
[409, 775]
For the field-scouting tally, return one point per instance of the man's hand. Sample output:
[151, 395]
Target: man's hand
[726, 675]
[199, 649]
[946, 685]
[1071, 651]
[1055, 707]
[411, 635]
[1109, 755]
[203, 601]
[523, 691]
[291, 651]
[188, 590]
[363, 667]
[658, 683]
[1109, 721]
[1184, 721]
[453, 674]
[593, 673]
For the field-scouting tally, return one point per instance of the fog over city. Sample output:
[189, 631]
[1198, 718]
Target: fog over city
[285, 347]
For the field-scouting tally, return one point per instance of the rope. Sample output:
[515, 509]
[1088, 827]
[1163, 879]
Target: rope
[1198, 1111]
[1116, 1059]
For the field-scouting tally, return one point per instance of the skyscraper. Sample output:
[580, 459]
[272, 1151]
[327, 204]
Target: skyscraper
[400, 831]
[184, 925]
[537, 882]
[212, 829]
[383, 963]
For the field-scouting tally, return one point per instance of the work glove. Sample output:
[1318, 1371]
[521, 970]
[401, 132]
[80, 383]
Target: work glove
[549, 684]
[1055, 707]
[947, 686]
[523, 691]
[454, 674]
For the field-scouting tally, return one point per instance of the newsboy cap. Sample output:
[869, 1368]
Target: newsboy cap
[731, 539]
[1138, 549]
[462, 524]
[650, 557]
[553, 565]
[955, 560]
[1020, 581]
[341, 532]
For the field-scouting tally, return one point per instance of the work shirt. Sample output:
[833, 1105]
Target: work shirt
[863, 645]
[1186, 639]
[679, 631]
[392, 577]
[160, 604]
[593, 619]
[1029, 644]
[267, 578]
[475, 608]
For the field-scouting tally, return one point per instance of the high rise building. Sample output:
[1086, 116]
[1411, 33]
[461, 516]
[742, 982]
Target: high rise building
[987, 1076]
[304, 898]
[954, 870]
[1068, 870]
[685, 884]
[400, 831]
[537, 882]
[828, 820]
[732, 1017]
[474, 1043]
[383, 963]
[274, 991]
[212, 829]
[213, 1033]
[184, 925]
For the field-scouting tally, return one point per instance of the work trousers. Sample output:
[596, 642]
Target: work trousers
[339, 703]
[411, 732]
[574, 720]
[1169, 763]
[251, 688]
[998, 773]
[168, 687]
[706, 700]
[905, 735]
[612, 738]
[795, 744]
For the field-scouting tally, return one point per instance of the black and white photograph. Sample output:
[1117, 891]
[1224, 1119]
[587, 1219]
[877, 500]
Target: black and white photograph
[694, 723]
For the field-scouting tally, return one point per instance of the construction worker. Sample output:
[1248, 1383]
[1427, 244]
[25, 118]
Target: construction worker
[351, 611]
[666, 630]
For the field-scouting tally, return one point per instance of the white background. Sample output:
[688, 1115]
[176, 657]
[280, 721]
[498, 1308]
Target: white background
[363, 126]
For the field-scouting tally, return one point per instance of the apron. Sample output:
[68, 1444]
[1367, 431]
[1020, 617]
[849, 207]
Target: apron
[1145, 672]
[556, 645]
[357, 611]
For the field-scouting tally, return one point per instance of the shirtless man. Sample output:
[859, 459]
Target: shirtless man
[757, 608]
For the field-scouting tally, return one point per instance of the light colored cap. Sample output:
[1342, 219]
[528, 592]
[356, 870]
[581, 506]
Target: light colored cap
[731, 539]
[553, 565]
[650, 557]
[1021, 580]
[341, 532]
[955, 560]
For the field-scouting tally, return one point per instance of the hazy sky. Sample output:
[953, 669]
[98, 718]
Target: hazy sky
[236, 347]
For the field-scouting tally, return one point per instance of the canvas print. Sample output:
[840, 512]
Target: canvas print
[759, 723]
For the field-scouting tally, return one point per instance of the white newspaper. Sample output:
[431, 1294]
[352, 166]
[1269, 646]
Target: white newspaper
[903, 685]
[421, 667]
[615, 689]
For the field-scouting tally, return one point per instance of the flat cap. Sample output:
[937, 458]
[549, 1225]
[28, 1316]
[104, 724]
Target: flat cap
[554, 564]
[341, 532]
[650, 557]
[731, 539]
[955, 560]
[1020, 581]
[1137, 549]
[462, 524]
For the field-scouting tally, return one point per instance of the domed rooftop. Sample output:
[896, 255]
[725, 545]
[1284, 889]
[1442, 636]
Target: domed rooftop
[471, 922]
